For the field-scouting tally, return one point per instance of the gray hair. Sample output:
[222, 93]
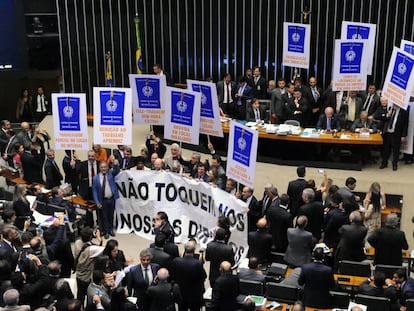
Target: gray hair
[145, 253]
[274, 191]
[309, 194]
[11, 297]
[392, 220]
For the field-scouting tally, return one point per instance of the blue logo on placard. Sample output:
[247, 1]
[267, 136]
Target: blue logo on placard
[351, 56]
[69, 113]
[402, 70]
[409, 48]
[296, 39]
[148, 93]
[242, 145]
[112, 107]
[182, 107]
[206, 100]
[357, 32]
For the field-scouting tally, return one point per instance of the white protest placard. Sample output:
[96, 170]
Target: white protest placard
[399, 82]
[112, 116]
[407, 46]
[242, 154]
[182, 115]
[210, 123]
[69, 121]
[148, 98]
[192, 207]
[296, 45]
[349, 70]
[361, 31]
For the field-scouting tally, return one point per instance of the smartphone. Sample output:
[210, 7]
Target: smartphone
[321, 171]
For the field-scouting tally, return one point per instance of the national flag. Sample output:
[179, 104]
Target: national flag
[138, 53]
[108, 73]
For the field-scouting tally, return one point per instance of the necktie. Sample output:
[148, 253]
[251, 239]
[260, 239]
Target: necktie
[315, 94]
[146, 276]
[257, 114]
[92, 170]
[391, 126]
[351, 110]
[228, 93]
[126, 164]
[367, 102]
[328, 123]
[103, 186]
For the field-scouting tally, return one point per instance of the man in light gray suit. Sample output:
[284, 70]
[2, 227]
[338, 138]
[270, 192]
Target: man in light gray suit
[299, 250]
[277, 107]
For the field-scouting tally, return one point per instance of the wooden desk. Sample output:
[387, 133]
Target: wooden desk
[370, 252]
[355, 139]
[78, 200]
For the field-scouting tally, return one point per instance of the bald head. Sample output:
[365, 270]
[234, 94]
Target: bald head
[261, 223]
[163, 274]
[25, 126]
[329, 112]
[301, 222]
[225, 267]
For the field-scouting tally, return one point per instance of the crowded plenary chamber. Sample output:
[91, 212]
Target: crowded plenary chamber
[206, 155]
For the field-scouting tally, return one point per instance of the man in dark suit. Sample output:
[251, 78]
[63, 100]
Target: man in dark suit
[379, 289]
[260, 243]
[243, 93]
[40, 104]
[317, 279]
[393, 134]
[71, 165]
[4, 135]
[258, 84]
[158, 70]
[299, 109]
[306, 92]
[314, 211]
[156, 147]
[32, 163]
[253, 214]
[52, 172]
[162, 294]
[334, 219]
[225, 289]
[364, 124]
[265, 202]
[87, 171]
[300, 244]
[119, 153]
[216, 252]
[351, 245]
[295, 188]
[349, 198]
[388, 242]
[24, 137]
[140, 278]
[8, 251]
[105, 193]
[158, 255]
[252, 273]
[226, 91]
[350, 109]
[279, 222]
[404, 283]
[315, 93]
[287, 99]
[328, 121]
[371, 100]
[190, 275]
[128, 160]
[255, 113]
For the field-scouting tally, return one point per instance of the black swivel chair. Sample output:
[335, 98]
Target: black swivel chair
[374, 303]
[248, 287]
[389, 270]
[354, 268]
[282, 293]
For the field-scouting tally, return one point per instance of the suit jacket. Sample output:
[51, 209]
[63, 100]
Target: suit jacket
[71, 174]
[305, 115]
[163, 296]
[368, 124]
[351, 245]
[299, 250]
[264, 204]
[189, 274]
[161, 149]
[251, 117]
[160, 257]
[366, 289]
[250, 275]
[221, 89]
[260, 245]
[322, 123]
[373, 106]
[277, 105]
[253, 214]
[280, 220]
[388, 243]
[294, 190]
[333, 221]
[53, 175]
[216, 252]
[84, 190]
[32, 167]
[23, 139]
[225, 291]
[350, 203]
[97, 187]
[127, 164]
[314, 212]
[344, 109]
[328, 99]
[309, 95]
[46, 101]
[245, 95]
[318, 280]
[406, 291]
[401, 125]
[137, 286]
[259, 88]
[4, 140]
